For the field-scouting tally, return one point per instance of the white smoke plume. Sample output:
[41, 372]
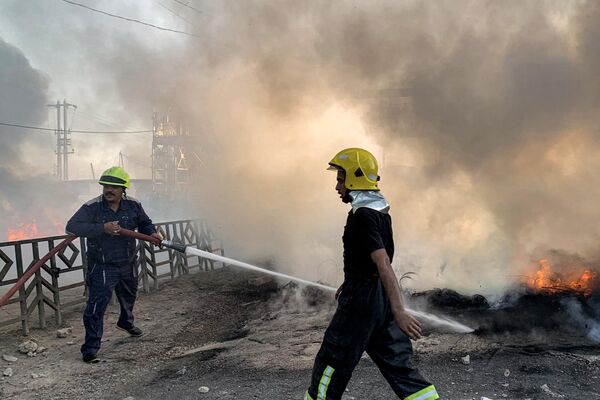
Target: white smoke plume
[482, 114]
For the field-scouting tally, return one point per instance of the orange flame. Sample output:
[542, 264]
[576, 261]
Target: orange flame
[548, 281]
[23, 231]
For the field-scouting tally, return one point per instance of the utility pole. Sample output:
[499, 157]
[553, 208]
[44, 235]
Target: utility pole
[66, 141]
[58, 142]
[63, 140]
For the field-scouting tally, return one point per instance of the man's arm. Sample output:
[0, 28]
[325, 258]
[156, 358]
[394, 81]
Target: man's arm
[406, 322]
[82, 224]
[146, 226]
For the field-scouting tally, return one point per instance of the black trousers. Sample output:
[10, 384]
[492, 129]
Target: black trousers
[363, 322]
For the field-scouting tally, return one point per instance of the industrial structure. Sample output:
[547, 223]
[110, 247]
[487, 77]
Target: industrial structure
[172, 171]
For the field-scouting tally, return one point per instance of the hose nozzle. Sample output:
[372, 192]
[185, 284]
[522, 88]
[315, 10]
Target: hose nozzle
[175, 245]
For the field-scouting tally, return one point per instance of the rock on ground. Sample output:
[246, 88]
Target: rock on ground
[64, 332]
[28, 346]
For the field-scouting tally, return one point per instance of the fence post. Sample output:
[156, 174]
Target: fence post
[179, 228]
[198, 243]
[84, 265]
[170, 235]
[143, 268]
[22, 292]
[185, 265]
[39, 293]
[55, 287]
[151, 250]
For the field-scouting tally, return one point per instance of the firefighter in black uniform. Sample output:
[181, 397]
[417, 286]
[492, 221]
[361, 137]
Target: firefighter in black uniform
[370, 315]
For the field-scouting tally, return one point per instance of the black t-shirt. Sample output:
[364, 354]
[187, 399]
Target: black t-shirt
[366, 230]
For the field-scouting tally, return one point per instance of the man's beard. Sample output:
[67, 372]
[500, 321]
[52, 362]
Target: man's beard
[112, 198]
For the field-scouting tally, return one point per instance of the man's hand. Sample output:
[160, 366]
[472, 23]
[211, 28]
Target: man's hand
[112, 228]
[159, 237]
[408, 324]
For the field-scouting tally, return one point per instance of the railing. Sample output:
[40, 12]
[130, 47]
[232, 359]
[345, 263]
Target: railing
[60, 282]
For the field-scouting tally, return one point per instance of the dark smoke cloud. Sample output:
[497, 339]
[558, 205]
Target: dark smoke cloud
[31, 200]
[496, 91]
[588, 33]
[23, 99]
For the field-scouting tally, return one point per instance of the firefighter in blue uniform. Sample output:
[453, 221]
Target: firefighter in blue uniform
[370, 315]
[111, 258]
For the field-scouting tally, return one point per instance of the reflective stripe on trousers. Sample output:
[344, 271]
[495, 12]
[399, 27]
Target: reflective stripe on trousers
[323, 384]
[429, 393]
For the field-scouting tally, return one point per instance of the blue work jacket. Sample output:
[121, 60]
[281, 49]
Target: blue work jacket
[103, 248]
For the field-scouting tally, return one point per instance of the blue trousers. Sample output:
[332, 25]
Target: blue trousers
[102, 279]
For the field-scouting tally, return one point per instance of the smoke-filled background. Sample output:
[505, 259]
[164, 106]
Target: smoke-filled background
[483, 115]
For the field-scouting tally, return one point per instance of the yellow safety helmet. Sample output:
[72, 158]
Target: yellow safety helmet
[360, 167]
[115, 176]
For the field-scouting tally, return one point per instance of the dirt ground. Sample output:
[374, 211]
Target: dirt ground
[251, 340]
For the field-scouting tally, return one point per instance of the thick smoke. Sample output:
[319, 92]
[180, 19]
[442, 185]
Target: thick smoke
[490, 105]
[22, 100]
[482, 114]
[29, 193]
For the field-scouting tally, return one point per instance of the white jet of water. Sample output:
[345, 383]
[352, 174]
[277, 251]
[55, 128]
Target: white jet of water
[434, 320]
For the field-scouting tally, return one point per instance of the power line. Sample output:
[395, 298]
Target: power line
[100, 120]
[175, 14]
[187, 5]
[106, 121]
[128, 19]
[54, 130]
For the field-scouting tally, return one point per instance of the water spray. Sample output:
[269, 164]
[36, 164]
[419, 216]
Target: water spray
[433, 320]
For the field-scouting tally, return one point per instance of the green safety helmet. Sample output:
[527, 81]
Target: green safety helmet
[360, 167]
[115, 176]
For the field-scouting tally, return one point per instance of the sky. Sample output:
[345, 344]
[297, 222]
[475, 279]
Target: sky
[483, 115]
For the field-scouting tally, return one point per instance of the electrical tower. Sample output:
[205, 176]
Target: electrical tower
[171, 173]
[63, 139]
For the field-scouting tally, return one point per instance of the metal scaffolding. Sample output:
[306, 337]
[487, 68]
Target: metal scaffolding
[171, 172]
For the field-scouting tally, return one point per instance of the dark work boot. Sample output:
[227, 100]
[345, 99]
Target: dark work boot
[133, 331]
[90, 358]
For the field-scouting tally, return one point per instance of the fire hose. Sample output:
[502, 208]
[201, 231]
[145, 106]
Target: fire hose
[189, 250]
